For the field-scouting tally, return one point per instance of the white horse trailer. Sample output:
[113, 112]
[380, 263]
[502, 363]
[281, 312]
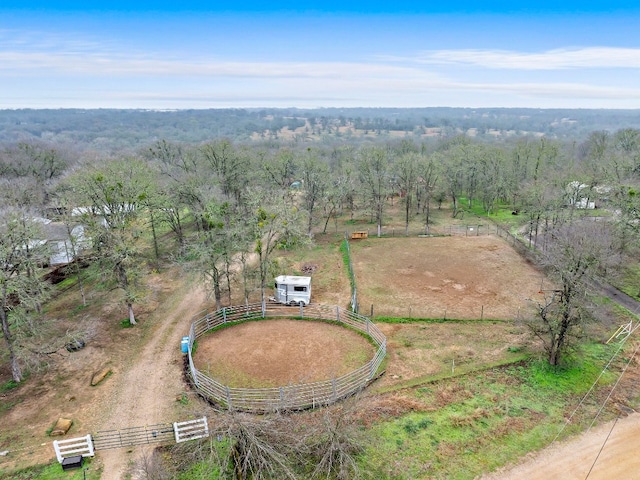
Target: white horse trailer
[292, 290]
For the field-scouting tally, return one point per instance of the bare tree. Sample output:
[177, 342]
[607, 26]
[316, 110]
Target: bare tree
[314, 185]
[375, 179]
[575, 256]
[426, 186]
[407, 176]
[335, 443]
[242, 447]
[230, 167]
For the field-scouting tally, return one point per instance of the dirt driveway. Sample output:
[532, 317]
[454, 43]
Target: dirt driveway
[607, 452]
[147, 390]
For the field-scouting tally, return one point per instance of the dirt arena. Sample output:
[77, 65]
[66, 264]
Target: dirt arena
[271, 353]
[438, 277]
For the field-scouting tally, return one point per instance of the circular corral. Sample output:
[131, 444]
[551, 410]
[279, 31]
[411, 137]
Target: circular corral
[278, 352]
[316, 363]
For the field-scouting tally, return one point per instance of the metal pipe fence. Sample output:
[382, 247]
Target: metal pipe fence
[290, 397]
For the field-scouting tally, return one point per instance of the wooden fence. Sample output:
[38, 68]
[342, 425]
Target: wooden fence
[290, 397]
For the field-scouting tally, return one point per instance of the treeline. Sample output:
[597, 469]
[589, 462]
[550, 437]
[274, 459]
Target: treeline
[118, 130]
[230, 205]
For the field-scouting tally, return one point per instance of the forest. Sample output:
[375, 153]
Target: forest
[108, 197]
[275, 191]
[107, 130]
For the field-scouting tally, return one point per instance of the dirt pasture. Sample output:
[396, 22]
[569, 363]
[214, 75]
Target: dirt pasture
[427, 350]
[443, 277]
[271, 353]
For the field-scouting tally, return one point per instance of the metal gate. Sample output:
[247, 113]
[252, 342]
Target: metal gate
[73, 447]
[129, 437]
[191, 430]
[176, 432]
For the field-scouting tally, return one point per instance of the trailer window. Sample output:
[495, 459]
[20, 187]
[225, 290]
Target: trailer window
[299, 289]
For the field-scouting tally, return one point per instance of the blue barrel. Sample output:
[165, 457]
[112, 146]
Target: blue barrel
[184, 345]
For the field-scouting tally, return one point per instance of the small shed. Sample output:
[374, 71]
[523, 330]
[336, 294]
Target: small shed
[292, 290]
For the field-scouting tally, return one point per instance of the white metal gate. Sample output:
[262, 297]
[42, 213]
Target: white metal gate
[191, 430]
[73, 447]
[162, 433]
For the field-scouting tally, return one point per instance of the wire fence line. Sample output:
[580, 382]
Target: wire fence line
[520, 244]
[290, 397]
[453, 229]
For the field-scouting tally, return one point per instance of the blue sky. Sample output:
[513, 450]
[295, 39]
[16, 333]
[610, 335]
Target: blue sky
[173, 55]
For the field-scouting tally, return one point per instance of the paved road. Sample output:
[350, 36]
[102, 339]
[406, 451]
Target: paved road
[618, 296]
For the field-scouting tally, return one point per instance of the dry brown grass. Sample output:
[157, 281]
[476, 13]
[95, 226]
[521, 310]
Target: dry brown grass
[443, 277]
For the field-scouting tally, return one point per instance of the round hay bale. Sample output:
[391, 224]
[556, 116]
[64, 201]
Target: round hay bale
[61, 427]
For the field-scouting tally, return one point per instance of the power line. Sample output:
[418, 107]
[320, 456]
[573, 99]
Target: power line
[602, 448]
[593, 385]
[614, 386]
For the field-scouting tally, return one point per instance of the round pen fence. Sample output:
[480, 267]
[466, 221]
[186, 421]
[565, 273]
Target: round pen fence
[290, 397]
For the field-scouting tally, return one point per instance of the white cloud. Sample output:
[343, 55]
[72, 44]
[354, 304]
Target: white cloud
[564, 58]
[61, 70]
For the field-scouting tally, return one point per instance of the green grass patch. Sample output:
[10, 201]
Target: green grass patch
[125, 323]
[9, 385]
[402, 320]
[579, 372]
[53, 471]
[480, 421]
[630, 281]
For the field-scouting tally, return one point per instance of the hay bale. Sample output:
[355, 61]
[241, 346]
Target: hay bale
[61, 427]
[99, 376]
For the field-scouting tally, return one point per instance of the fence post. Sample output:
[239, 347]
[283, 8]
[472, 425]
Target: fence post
[193, 373]
[176, 434]
[333, 386]
[301, 309]
[229, 406]
[337, 314]
[224, 314]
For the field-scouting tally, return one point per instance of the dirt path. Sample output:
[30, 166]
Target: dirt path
[582, 458]
[147, 391]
